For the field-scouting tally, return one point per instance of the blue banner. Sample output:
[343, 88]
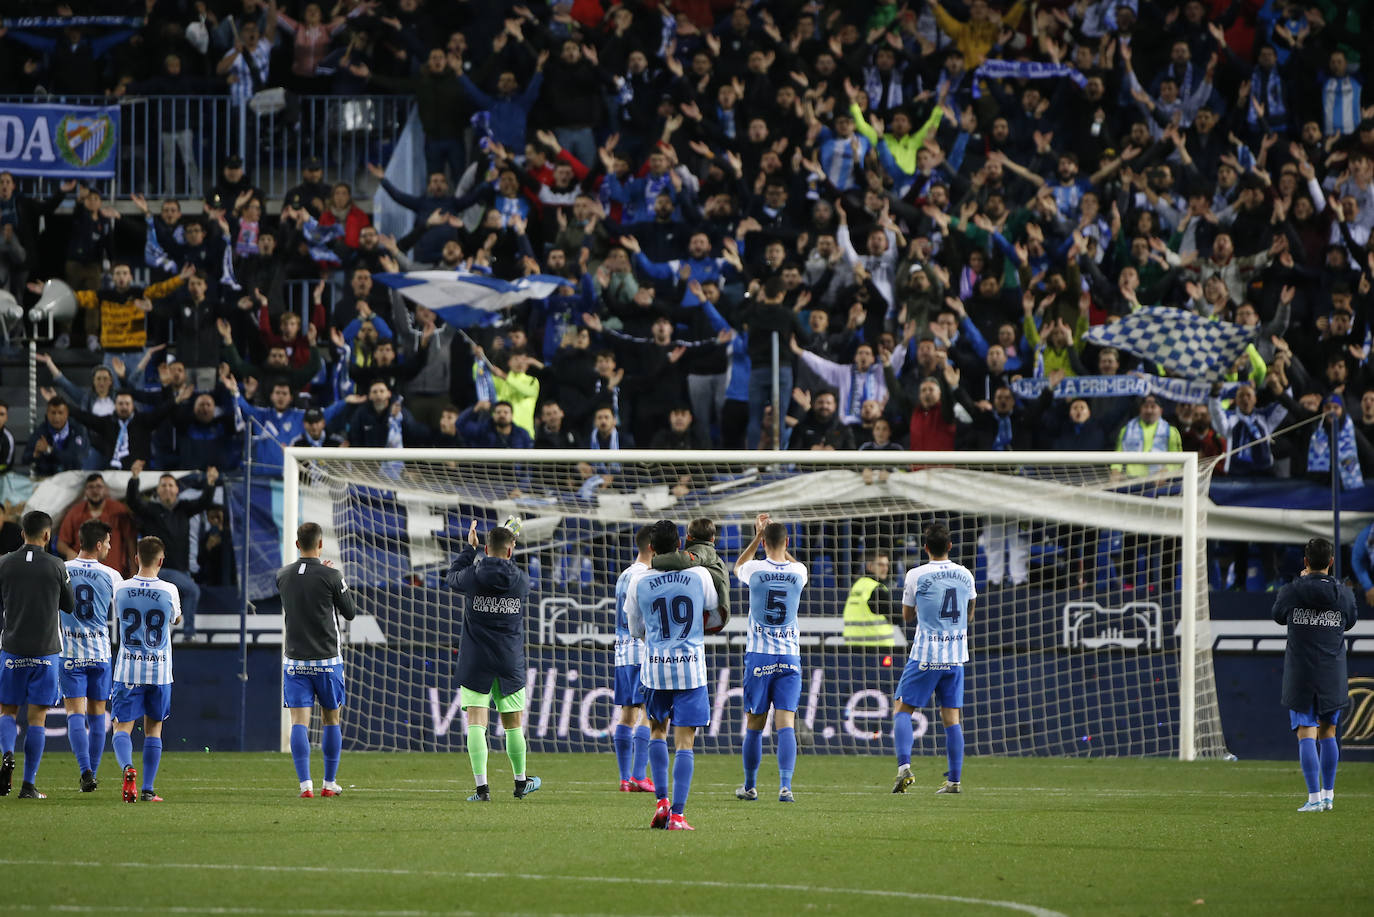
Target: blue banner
[1129, 385]
[59, 141]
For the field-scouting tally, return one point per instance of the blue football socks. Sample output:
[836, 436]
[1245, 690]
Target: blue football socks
[96, 731]
[79, 740]
[902, 737]
[1330, 755]
[152, 757]
[300, 751]
[954, 749]
[658, 763]
[684, 762]
[331, 743]
[1311, 768]
[9, 731]
[123, 744]
[753, 756]
[35, 737]
[787, 756]
[641, 758]
[624, 748]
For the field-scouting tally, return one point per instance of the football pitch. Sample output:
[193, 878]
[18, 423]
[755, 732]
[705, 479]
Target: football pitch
[1028, 836]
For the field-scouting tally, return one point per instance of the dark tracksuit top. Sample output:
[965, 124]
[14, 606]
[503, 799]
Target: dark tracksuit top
[34, 587]
[493, 647]
[313, 597]
[1317, 611]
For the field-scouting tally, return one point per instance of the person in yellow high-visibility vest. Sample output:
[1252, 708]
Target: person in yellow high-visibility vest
[867, 616]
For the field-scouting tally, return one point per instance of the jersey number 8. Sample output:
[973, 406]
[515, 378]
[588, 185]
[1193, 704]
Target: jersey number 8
[85, 601]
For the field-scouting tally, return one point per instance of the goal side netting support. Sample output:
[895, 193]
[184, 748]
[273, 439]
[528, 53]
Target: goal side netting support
[1089, 636]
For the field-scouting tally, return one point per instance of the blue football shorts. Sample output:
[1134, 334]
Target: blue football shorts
[688, 707]
[771, 680]
[629, 690]
[303, 683]
[133, 701]
[30, 680]
[88, 678]
[921, 679]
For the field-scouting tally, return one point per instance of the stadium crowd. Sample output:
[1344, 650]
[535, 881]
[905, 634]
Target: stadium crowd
[930, 203]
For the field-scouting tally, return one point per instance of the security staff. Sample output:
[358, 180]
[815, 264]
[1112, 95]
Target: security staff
[1317, 610]
[867, 610]
[34, 588]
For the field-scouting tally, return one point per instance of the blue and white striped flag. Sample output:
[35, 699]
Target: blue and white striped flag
[1183, 343]
[465, 299]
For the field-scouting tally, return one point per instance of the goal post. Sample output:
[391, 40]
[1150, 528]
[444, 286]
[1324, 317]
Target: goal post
[1096, 643]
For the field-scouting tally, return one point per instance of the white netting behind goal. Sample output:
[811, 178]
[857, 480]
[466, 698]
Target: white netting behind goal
[1076, 652]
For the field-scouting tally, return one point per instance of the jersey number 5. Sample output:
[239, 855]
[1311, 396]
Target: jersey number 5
[150, 622]
[681, 612]
[775, 607]
[949, 606]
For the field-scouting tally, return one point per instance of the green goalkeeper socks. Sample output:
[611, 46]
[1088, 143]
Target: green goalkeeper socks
[515, 750]
[477, 752]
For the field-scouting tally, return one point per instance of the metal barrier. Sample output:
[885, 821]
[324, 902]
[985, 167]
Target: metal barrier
[174, 146]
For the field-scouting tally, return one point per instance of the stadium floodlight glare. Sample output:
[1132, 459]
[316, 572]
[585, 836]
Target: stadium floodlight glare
[1098, 644]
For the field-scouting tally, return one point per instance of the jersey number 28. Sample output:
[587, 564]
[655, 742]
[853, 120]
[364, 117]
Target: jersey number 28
[151, 622]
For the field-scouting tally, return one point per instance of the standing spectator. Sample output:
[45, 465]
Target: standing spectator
[1147, 432]
[821, 428]
[855, 384]
[383, 421]
[169, 519]
[762, 320]
[507, 110]
[343, 212]
[117, 315]
[310, 41]
[88, 247]
[1317, 610]
[443, 110]
[97, 505]
[206, 434]
[574, 91]
[424, 339]
[245, 66]
[125, 436]
[19, 222]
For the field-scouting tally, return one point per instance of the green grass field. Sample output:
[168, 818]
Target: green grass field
[1031, 836]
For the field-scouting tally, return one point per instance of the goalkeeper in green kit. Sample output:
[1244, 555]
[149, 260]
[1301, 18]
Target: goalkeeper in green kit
[491, 658]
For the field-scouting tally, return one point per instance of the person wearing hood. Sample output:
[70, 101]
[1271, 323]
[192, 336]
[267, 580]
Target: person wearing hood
[491, 658]
[1317, 610]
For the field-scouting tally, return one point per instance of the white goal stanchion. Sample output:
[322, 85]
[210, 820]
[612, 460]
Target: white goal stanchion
[1089, 635]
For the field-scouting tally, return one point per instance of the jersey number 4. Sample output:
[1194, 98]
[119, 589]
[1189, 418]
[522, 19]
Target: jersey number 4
[150, 622]
[681, 613]
[949, 606]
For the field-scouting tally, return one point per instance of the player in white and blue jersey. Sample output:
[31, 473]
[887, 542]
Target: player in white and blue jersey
[146, 610]
[631, 732]
[86, 649]
[939, 596]
[669, 611]
[772, 653]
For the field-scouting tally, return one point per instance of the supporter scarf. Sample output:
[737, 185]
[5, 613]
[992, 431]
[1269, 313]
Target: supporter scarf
[1347, 457]
[1249, 443]
[862, 387]
[394, 439]
[72, 22]
[485, 384]
[121, 448]
[873, 85]
[247, 241]
[612, 442]
[1269, 87]
[1003, 441]
[1133, 385]
[1133, 437]
[996, 69]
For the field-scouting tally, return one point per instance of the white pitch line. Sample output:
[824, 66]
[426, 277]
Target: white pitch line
[288, 912]
[1017, 906]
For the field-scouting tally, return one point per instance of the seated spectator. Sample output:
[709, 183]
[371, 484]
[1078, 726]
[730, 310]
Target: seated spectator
[96, 504]
[58, 443]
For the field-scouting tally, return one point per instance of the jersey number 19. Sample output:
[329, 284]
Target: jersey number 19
[681, 613]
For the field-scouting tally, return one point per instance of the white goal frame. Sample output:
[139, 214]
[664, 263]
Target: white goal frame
[1184, 464]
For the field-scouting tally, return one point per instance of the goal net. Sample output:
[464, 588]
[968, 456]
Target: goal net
[1089, 635]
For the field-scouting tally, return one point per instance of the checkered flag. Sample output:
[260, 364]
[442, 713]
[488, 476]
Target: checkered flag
[1185, 344]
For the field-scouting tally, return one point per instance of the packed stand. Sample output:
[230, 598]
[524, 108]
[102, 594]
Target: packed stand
[929, 204]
